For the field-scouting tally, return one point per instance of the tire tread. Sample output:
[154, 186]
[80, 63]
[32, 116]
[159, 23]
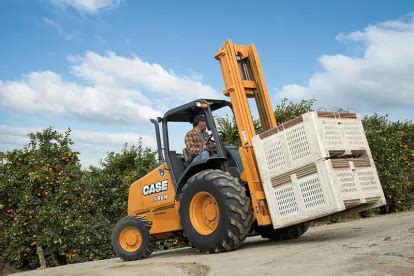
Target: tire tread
[150, 239]
[239, 205]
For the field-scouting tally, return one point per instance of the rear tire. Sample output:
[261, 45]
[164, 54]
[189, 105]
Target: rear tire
[290, 232]
[215, 211]
[131, 239]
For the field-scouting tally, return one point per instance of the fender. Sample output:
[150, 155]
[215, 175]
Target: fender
[195, 167]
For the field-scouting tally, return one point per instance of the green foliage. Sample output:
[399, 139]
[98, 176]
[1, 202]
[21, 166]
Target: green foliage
[41, 190]
[392, 147]
[286, 111]
[48, 201]
[228, 131]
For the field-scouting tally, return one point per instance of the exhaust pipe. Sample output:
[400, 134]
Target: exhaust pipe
[157, 135]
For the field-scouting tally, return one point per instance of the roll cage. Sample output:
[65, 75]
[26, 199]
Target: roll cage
[180, 169]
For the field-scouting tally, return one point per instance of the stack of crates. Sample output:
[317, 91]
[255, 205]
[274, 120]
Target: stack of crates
[317, 165]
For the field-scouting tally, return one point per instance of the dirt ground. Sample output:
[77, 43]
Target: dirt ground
[376, 246]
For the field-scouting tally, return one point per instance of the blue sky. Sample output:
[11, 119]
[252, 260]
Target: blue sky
[104, 67]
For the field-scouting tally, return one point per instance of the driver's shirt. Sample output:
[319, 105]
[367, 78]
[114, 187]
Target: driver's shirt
[194, 142]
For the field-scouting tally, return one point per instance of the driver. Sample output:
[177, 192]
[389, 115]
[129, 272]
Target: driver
[197, 141]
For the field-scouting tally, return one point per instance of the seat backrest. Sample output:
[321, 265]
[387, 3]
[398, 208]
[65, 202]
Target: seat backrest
[185, 154]
[177, 164]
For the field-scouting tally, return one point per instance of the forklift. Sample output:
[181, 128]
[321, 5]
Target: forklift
[213, 203]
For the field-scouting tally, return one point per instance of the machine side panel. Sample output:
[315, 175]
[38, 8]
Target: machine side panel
[153, 196]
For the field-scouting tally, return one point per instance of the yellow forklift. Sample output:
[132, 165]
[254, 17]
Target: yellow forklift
[215, 203]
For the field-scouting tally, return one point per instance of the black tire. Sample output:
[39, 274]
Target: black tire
[235, 214]
[148, 242]
[290, 232]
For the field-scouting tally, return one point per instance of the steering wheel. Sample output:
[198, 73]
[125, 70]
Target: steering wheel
[211, 147]
[210, 138]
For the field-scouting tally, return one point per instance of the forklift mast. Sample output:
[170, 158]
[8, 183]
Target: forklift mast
[243, 78]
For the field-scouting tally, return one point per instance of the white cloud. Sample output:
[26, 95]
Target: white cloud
[113, 70]
[381, 80]
[48, 92]
[114, 89]
[50, 22]
[53, 24]
[90, 6]
[92, 146]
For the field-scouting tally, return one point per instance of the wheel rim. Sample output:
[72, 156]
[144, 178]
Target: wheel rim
[130, 239]
[204, 213]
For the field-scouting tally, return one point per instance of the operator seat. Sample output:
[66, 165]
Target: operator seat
[185, 154]
[187, 158]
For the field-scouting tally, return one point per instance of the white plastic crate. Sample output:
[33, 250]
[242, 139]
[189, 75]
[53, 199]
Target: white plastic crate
[308, 138]
[322, 188]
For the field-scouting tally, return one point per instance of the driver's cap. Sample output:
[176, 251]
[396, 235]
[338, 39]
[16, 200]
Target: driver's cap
[199, 117]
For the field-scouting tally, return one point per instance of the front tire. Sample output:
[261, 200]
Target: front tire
[131, 239]
[215, 211]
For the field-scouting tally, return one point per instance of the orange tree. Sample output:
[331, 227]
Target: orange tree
[392, 146]
[46, 215]
[52, 212]
[37, 187]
